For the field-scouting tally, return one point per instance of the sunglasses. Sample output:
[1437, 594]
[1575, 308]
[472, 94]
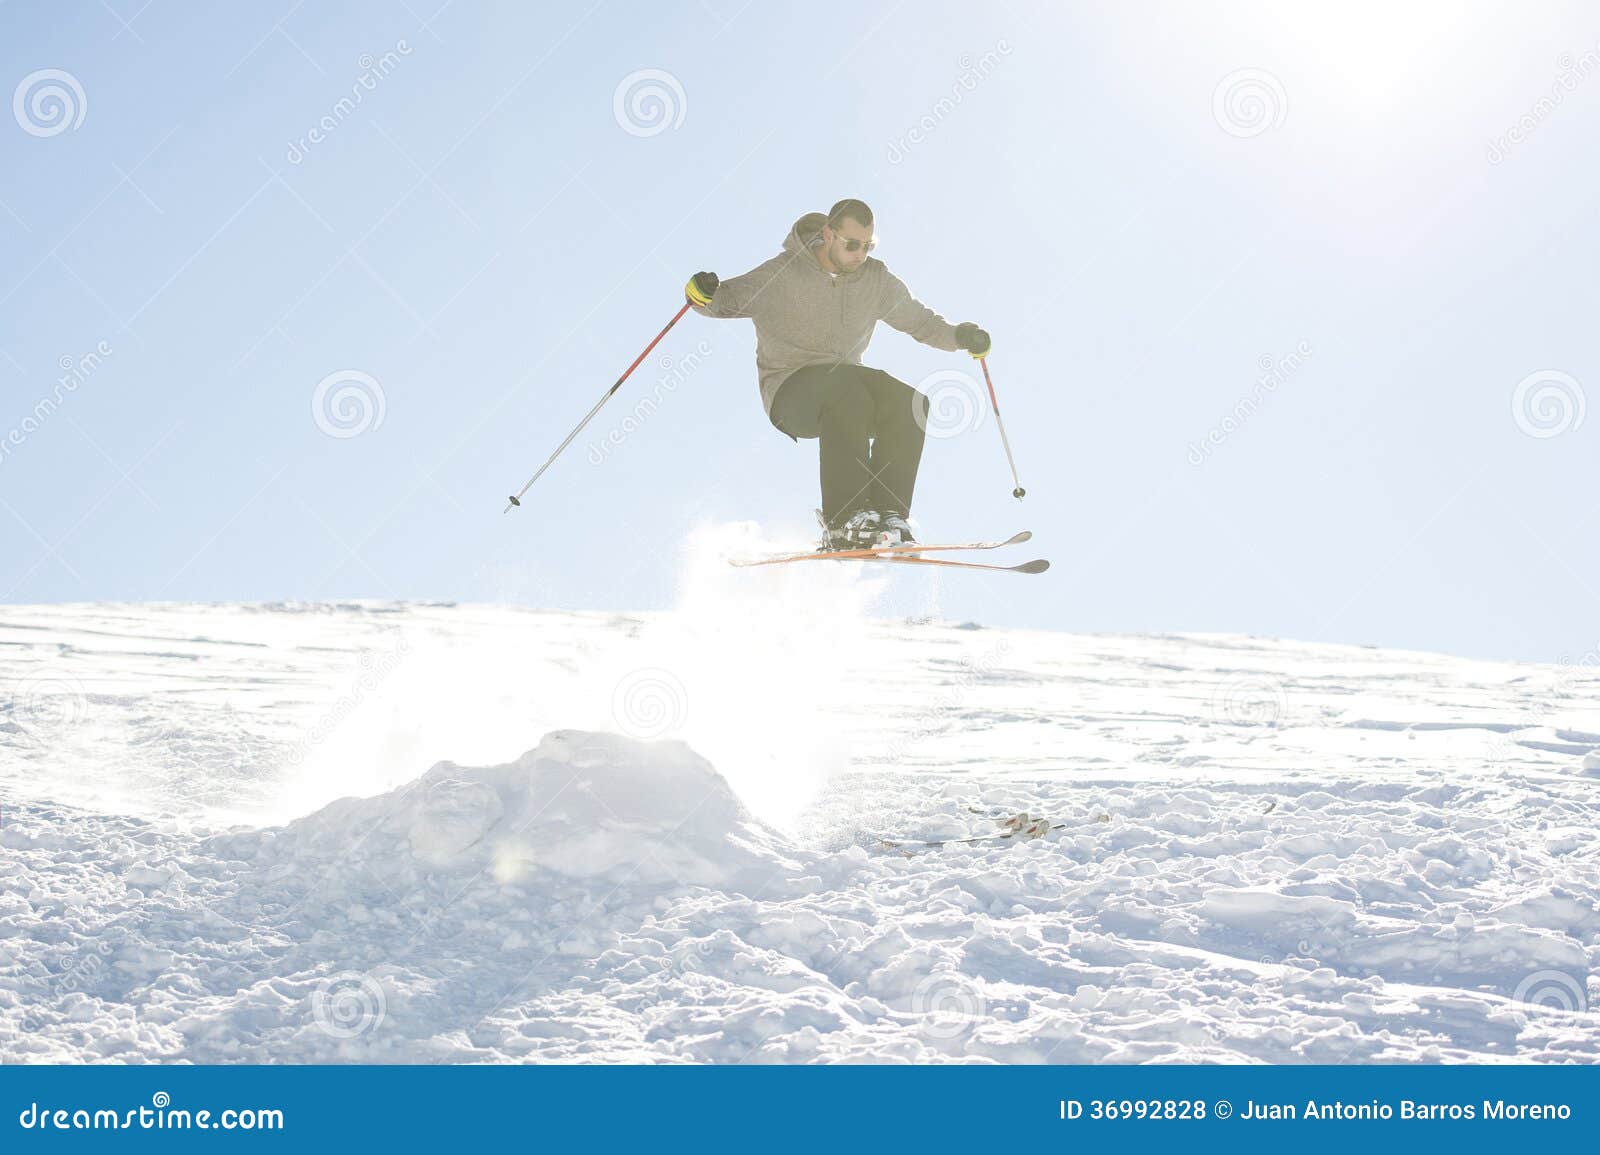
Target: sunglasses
[852, 245]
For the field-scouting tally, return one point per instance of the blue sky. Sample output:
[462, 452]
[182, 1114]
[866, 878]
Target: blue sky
[1146, 205]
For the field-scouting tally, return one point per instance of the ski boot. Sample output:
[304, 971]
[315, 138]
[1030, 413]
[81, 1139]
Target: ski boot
[860, 531]
[894, 529]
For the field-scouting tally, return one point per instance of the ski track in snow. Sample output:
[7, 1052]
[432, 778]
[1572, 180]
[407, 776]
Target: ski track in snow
[1271, 852]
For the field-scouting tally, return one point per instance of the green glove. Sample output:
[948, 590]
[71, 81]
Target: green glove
[701, 288]
[973, 339]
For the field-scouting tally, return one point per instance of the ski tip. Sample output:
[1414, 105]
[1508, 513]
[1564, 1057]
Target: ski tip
[1038, 565]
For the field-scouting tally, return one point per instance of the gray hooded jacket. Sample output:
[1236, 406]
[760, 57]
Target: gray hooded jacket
[806, 315]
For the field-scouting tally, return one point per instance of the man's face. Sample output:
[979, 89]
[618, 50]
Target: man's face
[839, 255]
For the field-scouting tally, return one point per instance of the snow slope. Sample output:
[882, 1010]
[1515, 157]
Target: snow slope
[650, 838]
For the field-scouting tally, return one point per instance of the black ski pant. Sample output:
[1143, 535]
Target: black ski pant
[870, 427]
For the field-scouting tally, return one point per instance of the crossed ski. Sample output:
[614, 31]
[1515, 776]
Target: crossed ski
[909, 555]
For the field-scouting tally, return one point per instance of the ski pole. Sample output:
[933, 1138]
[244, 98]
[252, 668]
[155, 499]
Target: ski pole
[1018, 492]
[516, 498]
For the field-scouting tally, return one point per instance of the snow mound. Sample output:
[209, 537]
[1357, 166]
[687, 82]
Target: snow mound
[409, 926]
[587, 806]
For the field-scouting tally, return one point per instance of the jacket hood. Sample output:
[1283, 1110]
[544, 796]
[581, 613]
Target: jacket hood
[806, 236]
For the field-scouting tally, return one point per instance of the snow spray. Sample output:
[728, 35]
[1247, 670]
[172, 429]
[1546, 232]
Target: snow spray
[756, 668]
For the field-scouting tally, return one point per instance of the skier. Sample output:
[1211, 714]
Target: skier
[815, 306]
